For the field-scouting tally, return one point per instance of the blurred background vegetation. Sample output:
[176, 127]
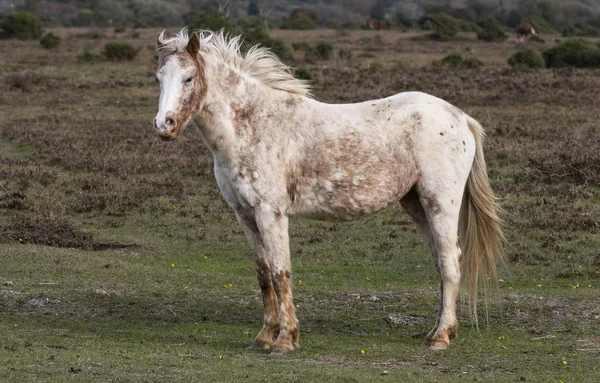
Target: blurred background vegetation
[569, 17]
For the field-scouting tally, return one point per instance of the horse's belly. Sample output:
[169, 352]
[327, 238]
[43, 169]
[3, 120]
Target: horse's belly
[348, 198]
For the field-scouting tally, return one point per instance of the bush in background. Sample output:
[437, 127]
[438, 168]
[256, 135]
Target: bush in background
[579, 29]
[324, 50]
[21, 25]
[119, 51]
[491, 30]
[303, 74]
[260, 36]
[50, 41]
[457, 61]
[527, 58]
[540, 25]
[211, 20]
[345, 54]
[301, 18]
[575, 53]
[89, 56]
[445, 27]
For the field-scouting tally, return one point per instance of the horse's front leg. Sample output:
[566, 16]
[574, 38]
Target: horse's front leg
[268, 334]
[273, 225]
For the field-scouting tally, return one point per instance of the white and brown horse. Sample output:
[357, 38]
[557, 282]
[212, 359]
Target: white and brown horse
[524, 31]
[373, 24]
[279, 153]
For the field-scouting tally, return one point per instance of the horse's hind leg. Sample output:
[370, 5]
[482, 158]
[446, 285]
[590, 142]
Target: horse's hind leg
[442, 212]
[267, 335]
[412, 205]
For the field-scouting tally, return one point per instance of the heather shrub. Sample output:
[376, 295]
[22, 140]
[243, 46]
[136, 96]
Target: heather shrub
[527, 58]
[119, 51]
[572, 53]
[21, 25]
[50, 41]
[491, 30]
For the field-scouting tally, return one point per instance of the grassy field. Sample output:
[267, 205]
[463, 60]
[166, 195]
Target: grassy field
[119, 260]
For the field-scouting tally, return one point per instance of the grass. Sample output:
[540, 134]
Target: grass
[119, 260]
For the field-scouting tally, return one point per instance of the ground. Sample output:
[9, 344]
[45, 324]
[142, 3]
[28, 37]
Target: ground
[119, 260]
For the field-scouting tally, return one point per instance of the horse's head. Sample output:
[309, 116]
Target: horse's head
[182, 86]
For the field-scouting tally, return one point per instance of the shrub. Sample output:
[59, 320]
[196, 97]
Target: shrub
[334, 24]
[324, 50]
[445, 27]
[260, 36]
[89, 56]
[426, 23]
[345, 54]
[118, 51]
[491, 30]
[466, 26]
[94, 35]
[569, 31]
[303, 74]
[456, 60]
[212, 20]
[50, 41]
[575, 52]
[579, 29]
[536, 39]
[527, 58]
[21, 25]
[540, 25]
[301, 18]
[300, 46]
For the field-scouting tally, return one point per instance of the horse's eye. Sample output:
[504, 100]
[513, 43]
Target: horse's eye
[156, 78]
[189, 79]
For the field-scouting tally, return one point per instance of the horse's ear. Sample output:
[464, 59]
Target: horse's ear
[160, 38]
[193, 45]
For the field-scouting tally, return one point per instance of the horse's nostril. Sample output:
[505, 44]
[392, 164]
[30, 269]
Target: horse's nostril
[170, 122]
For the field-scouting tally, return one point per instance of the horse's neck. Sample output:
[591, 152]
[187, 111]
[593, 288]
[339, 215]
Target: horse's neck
[232, 106]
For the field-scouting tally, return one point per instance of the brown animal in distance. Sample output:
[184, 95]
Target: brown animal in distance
[524, 31]
[373, 24]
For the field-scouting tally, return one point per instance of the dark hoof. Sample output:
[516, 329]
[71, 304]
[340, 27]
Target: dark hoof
[257, 345]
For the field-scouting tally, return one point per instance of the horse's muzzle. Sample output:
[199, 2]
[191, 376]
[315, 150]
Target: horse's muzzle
[168, 131]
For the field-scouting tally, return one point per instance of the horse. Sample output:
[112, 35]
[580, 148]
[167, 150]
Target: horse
[373, 24]
[524, 31]
[280, 153]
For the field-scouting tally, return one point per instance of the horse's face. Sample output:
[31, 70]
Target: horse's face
[182, 88]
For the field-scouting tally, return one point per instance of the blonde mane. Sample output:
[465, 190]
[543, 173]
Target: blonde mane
[259, 62]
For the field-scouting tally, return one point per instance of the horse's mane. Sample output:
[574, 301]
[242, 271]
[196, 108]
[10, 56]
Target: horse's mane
[259, 62]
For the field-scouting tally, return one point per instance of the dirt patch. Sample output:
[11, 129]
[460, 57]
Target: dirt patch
[51, 231]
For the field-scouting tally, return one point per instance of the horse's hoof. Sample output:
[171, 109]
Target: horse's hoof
[258, 345]
[438, 345]
[281, 351]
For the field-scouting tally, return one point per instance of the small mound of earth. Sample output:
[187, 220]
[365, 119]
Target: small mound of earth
[407, 320]
[52, 231]
[42, 300]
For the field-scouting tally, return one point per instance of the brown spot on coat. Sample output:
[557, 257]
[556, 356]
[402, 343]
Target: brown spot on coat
[233, 78]
[432, 205]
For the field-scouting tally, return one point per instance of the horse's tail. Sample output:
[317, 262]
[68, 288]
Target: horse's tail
[480, 228]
